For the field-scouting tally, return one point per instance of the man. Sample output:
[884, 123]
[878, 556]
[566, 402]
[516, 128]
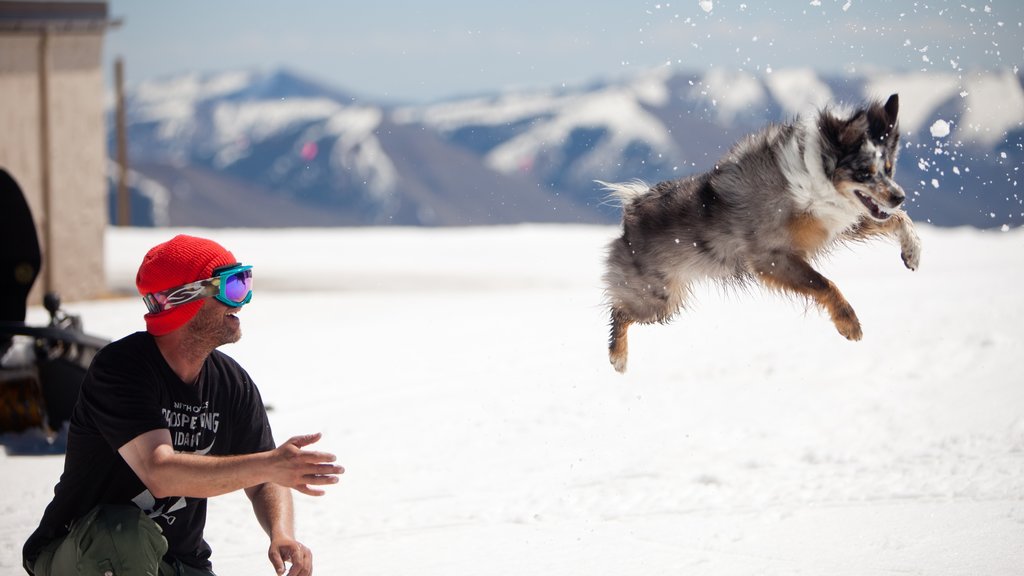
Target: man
[165, 421]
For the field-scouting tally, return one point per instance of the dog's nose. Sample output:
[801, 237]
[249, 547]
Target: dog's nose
[896, 196]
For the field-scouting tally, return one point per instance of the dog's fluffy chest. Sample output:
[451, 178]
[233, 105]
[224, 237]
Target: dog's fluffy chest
[817, 204]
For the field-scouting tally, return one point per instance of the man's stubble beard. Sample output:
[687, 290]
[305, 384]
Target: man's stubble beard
[210, 329]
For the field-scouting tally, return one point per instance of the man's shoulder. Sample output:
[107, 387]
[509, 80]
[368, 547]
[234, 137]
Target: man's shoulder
[130, 345]
[133, 340]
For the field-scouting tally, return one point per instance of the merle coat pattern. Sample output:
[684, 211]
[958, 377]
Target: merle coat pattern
[775, 201]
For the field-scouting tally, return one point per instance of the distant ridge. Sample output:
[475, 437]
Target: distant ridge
[248, 148]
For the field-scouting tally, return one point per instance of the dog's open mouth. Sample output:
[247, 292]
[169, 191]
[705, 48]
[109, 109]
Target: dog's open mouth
[876, 211]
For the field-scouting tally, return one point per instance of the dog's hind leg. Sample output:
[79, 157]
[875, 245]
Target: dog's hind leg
[790, 273]
[618, 346]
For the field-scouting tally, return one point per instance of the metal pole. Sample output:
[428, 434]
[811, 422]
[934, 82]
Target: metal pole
[124, 211]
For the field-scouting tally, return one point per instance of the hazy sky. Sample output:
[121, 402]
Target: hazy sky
[424, 50]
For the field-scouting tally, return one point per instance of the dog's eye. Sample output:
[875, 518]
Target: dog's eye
[862, 176]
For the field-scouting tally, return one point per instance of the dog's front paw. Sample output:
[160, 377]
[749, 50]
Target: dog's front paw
[618, 362]
[850, 328]
[847, 323]
[911, 251]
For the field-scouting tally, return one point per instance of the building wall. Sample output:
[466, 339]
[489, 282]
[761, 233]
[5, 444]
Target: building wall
[78, 215]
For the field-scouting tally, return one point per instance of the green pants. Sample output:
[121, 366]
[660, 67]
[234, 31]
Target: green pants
[111, 541]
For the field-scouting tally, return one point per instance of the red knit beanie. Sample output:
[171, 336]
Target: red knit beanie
[178, 261]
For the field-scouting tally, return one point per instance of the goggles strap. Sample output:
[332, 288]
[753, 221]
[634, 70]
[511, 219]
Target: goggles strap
[157, 302]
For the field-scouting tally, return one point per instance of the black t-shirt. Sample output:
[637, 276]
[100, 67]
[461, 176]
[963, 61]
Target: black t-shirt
[130, 390]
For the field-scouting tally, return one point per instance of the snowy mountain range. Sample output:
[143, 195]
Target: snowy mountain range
[277, 149]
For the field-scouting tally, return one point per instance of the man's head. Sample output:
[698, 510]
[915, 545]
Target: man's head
[189, 277]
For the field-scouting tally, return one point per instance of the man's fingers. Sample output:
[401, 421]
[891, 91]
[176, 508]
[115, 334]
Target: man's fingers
[304, 440]
[302, 562]
[304, 468]
[324, 469]
[316, 457]
[276, 560]
[309, 490]
[317, 471]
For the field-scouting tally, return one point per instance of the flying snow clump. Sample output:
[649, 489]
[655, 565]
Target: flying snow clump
[940, 129]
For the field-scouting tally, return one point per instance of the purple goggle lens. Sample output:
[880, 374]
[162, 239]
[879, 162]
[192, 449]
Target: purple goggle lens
[238, 285]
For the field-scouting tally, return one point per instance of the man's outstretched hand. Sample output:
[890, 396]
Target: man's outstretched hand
[301, 469]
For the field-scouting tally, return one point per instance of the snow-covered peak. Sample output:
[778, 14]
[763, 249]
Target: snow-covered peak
[651, 88]
[798, 90]
[191, 87]
[257, 120]
[357, 149]
[483, 111]
[991, 103]
[729, 93]
[994, 106]
[616, 110]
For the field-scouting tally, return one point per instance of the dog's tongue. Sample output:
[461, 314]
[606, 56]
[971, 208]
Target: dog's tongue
[875, 210]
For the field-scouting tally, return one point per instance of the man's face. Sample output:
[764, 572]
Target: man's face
[215, 324]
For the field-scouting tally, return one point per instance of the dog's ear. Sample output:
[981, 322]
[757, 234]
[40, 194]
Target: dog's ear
[892, 109]
[829, 126]
[882, 118]
[840, 138]
[854, 131]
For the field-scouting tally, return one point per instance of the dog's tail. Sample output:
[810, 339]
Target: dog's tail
[624, 193]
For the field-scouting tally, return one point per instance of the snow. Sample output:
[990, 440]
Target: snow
[730, 92]
[993, 101]
[488, 111]
[357, 148]
[261, 119]
[618, 109]
[939, 129]
[461, 377]
[798, 90]
[150, 189]
[651, 88]
[920, 94]
[995, 105]
[236, 126]
[615, 109]
[172, 102]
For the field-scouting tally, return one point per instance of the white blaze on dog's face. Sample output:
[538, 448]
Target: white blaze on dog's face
[867, 180]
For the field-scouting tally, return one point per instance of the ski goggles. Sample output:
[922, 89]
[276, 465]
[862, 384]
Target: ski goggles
[230, 284]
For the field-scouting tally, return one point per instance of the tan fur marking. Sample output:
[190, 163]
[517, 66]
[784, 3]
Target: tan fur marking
[808, 234]
[618, 345]
[829, 298]
[791, 274]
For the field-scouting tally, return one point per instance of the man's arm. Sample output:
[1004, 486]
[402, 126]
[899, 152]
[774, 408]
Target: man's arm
[168, 473]
[272, 504]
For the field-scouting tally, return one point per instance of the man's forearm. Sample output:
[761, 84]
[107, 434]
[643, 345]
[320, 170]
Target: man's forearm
[274, 510]
[201, 476]
[168, 473]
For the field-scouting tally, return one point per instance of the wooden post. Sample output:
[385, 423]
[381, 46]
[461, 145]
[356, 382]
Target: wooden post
[45, 162]
[124, 202]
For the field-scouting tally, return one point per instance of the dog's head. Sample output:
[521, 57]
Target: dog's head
[859, 155]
